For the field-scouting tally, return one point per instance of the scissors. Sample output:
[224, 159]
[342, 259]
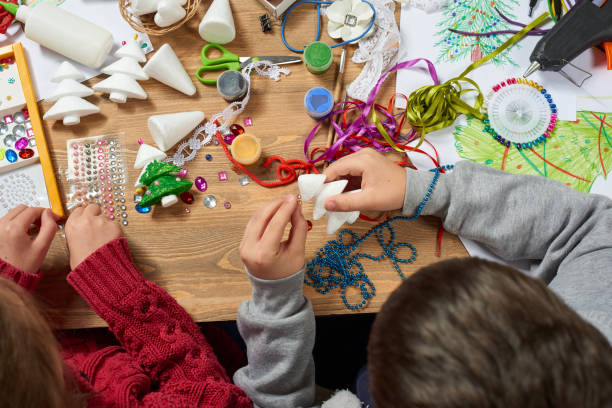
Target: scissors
[231, 61]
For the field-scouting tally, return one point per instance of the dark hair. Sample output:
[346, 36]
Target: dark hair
[32, 371]
[473, 333]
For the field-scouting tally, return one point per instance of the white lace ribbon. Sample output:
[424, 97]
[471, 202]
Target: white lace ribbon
[187, 150]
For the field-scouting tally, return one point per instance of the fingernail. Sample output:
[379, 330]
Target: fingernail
[331, 205]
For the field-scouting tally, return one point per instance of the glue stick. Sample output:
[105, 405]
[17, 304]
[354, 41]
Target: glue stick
[63, 32]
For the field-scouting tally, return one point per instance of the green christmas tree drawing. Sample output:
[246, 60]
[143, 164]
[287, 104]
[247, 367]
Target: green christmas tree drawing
[576, 154]
[474, 16]
[161, 180]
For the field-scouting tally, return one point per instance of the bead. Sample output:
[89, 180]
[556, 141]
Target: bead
[244, 180]
[19, 131]
[200, 184]
[111, 216]
[124, 223]
[209, 157]
[248, 121]
[8, 119]
[227, 205]
[309, 224]
[11, 156]
[210, 201]
[228, 138]
[140, 190]
[236, 129]
[9, 141]
[142, 210]
[18, 117]
[156, 182]
[187, 197]
[222, 176]
[187, 210]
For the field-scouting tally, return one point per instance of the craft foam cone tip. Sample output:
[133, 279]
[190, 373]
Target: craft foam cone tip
[167, 130]
[147, 154]
[217, 26]
[165, 67]
[329, 189]
[132, 50]
[168, 13]
[310, 185]
[67, 71]
[127, 66]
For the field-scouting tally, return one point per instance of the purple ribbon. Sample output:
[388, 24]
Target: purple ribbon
[361, 127]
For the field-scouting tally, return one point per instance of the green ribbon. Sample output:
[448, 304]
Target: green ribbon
[435, 107]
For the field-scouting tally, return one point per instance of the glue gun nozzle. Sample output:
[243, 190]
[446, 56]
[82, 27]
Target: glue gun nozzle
[535, 65]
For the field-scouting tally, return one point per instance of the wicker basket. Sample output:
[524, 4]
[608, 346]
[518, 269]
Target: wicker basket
[145, 24]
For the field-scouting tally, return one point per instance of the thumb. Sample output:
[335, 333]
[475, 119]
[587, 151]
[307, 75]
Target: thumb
[351, 201]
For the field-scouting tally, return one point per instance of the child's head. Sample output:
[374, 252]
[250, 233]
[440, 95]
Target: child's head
[32, 372]
[467, 333]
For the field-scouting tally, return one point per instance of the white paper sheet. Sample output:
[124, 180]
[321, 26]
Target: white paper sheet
[419, 36]
[43, 62]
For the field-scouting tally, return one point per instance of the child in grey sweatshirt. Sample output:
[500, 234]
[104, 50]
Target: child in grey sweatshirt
[566, 235]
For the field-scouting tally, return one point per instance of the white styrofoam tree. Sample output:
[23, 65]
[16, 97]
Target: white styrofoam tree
[121, 84]
[69, 105]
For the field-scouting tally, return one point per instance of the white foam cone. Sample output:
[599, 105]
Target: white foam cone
[133, 50]
[70, 109]
[167, 130]
[168, 13]
[69, 87]
[217, 26]
[120, 87]
[147, 154]
[167, 69]
[310, 185]
[127, 66]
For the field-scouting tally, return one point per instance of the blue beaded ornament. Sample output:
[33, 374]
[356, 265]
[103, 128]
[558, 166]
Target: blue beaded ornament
[337, 264]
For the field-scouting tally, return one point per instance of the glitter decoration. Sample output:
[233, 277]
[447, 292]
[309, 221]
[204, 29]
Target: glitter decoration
[187, 197]
[236, 129]
[244, 180]
[8, 119]
[200, 184]
[19, 131]
[248, 121]
[140, 142]
[11, 80]
[222, 176]
[9, 140]
[22, 143]
[11, 156]
[26, 153]
[142, 210]
[30, 132]
[227, 205]
[18, 117]
[228, 138]
[210, 201]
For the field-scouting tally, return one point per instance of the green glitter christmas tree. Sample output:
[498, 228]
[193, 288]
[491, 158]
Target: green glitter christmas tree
[575, 155]
[475, 16]
[161, 180]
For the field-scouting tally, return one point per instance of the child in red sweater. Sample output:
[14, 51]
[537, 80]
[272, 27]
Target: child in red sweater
[159, 358]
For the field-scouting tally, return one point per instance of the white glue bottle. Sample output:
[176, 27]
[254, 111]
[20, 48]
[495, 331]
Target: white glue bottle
[63, 32]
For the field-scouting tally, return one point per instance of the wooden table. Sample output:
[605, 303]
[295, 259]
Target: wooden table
[195, 256]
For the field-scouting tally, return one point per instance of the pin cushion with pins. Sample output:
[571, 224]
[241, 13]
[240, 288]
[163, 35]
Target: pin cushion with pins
[520, 112]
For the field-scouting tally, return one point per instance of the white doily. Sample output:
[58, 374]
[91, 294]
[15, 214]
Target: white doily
[187, 151]
[379, 51]
[428, 6]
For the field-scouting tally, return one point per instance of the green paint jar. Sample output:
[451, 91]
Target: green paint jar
[318, 57]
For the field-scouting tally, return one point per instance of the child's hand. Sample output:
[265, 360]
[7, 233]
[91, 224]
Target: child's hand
[383, 183]
[87, 230]
[18, 246]
[261, 249]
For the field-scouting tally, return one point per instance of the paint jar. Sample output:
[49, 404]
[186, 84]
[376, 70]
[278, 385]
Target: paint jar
[318, 102]
[246, 149]
[232, 85]
[318, 57]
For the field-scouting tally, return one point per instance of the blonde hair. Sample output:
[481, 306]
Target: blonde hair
[32, 371]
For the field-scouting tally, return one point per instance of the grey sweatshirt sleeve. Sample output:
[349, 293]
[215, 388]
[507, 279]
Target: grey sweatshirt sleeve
[278, 326]
[566, 234]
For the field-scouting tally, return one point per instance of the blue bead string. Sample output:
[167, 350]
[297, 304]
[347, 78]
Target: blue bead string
[318, 3]
[334, 264]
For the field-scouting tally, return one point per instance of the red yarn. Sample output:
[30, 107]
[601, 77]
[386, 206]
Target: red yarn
[287, 170]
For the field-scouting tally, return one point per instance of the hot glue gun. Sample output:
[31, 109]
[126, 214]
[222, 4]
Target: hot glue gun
[587, 24]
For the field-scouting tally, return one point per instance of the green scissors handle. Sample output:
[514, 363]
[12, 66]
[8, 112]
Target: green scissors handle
[227, 61]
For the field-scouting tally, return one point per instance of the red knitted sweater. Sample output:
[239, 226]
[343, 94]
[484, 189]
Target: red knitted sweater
[161, 358]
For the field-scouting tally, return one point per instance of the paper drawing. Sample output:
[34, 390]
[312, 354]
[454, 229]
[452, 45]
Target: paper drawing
[576, 154]
[474, 16]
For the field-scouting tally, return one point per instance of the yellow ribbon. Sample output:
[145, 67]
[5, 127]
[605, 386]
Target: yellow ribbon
[435, 107]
